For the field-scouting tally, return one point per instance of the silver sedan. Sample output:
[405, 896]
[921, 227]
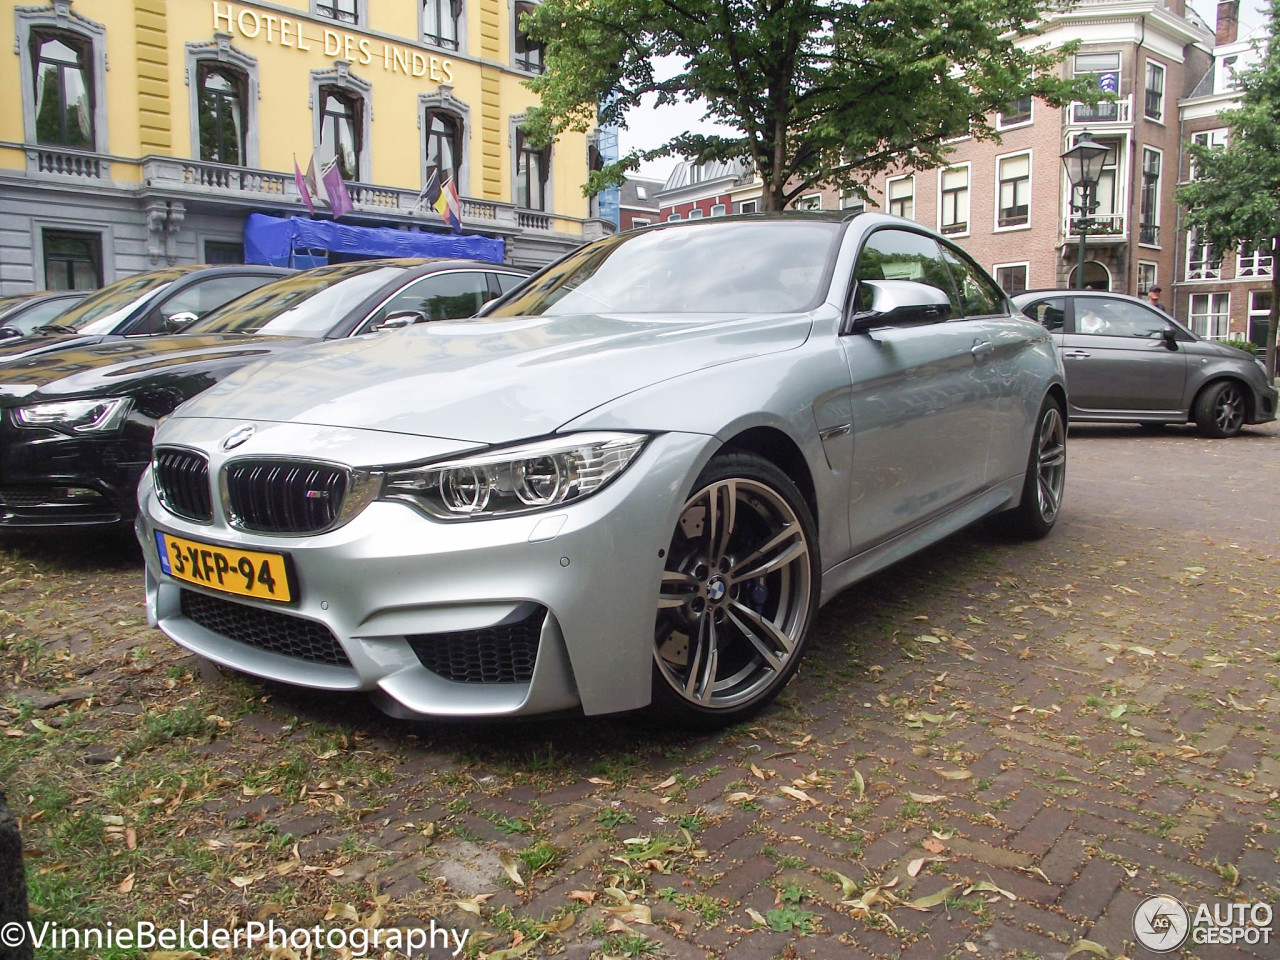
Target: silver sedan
[631, 483]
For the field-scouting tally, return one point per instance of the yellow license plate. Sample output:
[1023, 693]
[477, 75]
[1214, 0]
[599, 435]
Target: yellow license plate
[248, 573]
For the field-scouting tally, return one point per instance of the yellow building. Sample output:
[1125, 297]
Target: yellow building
[138, 133]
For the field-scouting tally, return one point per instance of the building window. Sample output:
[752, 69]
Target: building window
[1015, 190]
[63, 89]
[1108, 214]
[528, 51]
[1015, 113]
[955, 200]
[1210, 315]
[344, 11]
[695, 213]
[1146, 276]
[1105, 67]
[672, 218]
[340, 130]
[223, 251]
[811, 202]
[444, 146]
[748, 206]
[1207, 138]
[717, 209]
[1203, 263]
[1012, 277]
[853, 201]
[72, 261]
[1255, 261]
[222, 96]
[1259, 318]
[639, 222]
[1153, 106]
[1149, 227]
[532, 164]
[441, 21]
[902, 197]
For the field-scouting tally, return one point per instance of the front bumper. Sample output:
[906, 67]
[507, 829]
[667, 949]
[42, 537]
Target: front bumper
[51, 481]
[1264, 404]
[507, 617]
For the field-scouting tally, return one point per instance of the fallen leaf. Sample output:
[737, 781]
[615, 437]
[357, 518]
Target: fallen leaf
[955, 774]
[1087, 946]
[986, 886]
[925, 797]
[669, 782]
[600, 781]
[862, 786]
[926, 638]
[913, 868]
[757, 916]
[1119, 710]
[582, 896]
[131, 838]
[556, 927]
[933, 899]
[933, 846]
[126, 885]
[42, 726]
[510, 869]
[760, 774]
[472, 905]
[740, 796]
[797, 794]
[847, 886]
[632, 913]
[342, 911]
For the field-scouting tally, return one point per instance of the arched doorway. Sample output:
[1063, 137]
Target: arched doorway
[1096, 276]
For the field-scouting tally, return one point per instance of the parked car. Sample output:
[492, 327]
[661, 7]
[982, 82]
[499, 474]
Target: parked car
[632, 481]
[23, 313]
[143, 305]
[76, 425]
[1129, 362]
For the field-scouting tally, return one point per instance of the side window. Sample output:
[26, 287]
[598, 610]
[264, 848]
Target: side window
[508, 281]
[902, 255]
[979, 296]
[1105, 317]
[1048, 313]
[441, 296]
[199, 298]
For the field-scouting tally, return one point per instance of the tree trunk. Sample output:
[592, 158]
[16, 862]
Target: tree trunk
[1270, 360]
[13, 887]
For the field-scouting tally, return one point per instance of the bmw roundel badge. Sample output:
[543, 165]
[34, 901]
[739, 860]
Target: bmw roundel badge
[238, 436]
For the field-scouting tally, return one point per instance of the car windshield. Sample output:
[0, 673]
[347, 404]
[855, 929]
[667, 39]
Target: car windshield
[100, 312]
[730, 266]
[305, 305]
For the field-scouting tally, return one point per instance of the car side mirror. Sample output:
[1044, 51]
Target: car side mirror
[401, 318]
[896, 303]
[179, 320]
[1170, 338]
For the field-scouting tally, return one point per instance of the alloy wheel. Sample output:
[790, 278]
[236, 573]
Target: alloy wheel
[1228, 415]
[736, 595]
[1051, 471]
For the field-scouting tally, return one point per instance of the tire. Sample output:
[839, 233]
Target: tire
[1220, 409]
[1045, 479]
[739, 595]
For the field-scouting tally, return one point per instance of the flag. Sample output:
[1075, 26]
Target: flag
[430, 191]
[449, 206]
[336, 191]
[302, 187]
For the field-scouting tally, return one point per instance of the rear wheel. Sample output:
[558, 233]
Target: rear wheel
[1220, 409]
[738, 597]
[1046, 477]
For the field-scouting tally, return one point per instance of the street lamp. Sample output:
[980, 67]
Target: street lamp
[1084, 169]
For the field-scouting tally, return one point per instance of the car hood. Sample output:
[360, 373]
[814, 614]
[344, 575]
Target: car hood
[117, 367]
[14, 349]
[490, 380]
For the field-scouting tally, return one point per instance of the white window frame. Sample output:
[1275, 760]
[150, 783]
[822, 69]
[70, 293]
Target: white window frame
[1146, 283]
[967, 166]
[1163, 74]
[672, 217]
[60, 17]
[1031, 170]
[1024, 264]
[851, 200]
[1216, 137]
[889, 198]
[812, 201]
[639, 222]
[748, 206]
[1256, 314]
[717, 209]
[1254, 262]
[1031, 116]
[1205, 322]
[1141, 184]
[1201, 264]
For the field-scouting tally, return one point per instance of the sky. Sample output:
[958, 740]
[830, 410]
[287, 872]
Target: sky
[649, 127]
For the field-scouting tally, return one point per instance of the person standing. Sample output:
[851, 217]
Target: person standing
[1153, 298]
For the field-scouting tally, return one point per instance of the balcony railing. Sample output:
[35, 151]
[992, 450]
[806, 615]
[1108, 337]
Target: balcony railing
[1149, 233]
[65, 162]
[1105, 111]
[1106, 225]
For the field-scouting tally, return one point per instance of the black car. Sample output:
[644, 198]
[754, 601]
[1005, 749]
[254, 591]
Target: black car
[22, 314]
[143, 305]
[76, 425]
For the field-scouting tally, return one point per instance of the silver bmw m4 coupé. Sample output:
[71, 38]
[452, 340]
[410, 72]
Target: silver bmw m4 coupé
[631, 482]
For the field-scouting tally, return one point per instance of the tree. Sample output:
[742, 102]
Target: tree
[822, 91]
[1235, 196]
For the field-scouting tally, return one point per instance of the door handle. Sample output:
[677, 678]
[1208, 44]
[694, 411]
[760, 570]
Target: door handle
[1076, 355]
[981, 349]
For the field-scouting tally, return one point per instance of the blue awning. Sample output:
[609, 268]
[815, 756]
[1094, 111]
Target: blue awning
[274, 240]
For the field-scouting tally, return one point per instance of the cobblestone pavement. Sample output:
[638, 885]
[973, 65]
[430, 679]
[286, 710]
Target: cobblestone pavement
[994, 750]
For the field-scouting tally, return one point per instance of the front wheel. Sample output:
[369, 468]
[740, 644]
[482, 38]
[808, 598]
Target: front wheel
[1045, 479]
[1220, 410]
[739, 594]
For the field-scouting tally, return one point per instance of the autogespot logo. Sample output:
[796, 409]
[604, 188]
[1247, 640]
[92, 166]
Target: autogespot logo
[1161, 924]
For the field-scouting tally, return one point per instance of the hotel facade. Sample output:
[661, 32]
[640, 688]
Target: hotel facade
[141, 133]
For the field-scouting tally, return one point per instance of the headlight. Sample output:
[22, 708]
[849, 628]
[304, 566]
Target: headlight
[79, 416]
[516, 480]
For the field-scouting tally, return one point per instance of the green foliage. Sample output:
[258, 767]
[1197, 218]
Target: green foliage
[1233, 199]
[815, 91]
[1248, 346]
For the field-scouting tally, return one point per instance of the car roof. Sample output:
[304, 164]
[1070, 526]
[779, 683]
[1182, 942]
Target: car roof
[1070, 292]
